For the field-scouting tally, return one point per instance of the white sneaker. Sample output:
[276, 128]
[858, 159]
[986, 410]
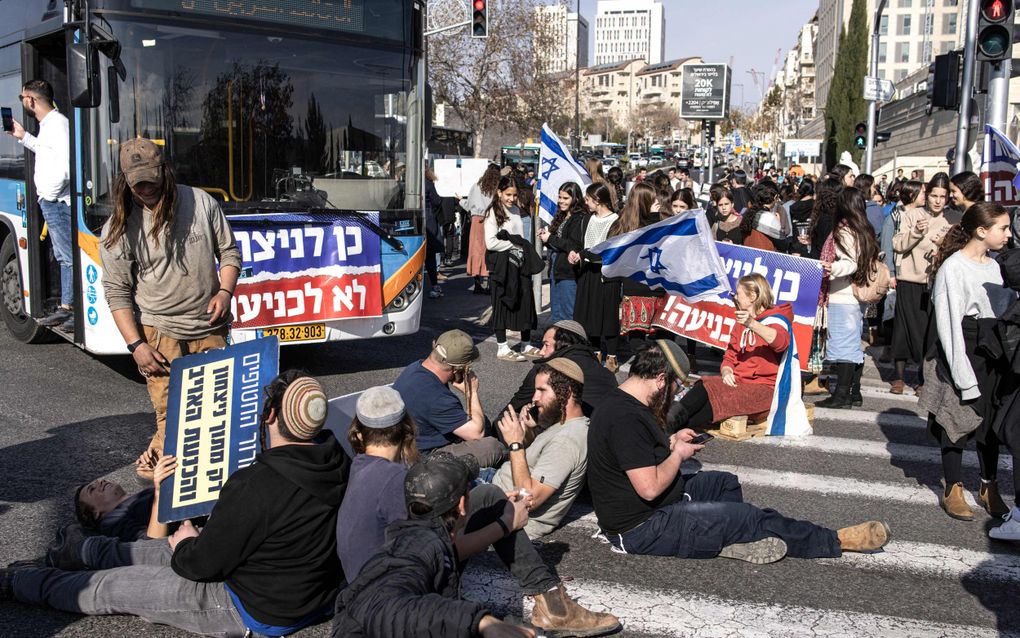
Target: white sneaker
[1010, 530]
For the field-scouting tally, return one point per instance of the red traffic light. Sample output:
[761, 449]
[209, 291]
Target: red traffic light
[479, 5]
[995, 10]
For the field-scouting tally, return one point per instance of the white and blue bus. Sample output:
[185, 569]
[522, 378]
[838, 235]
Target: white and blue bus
[305, 118]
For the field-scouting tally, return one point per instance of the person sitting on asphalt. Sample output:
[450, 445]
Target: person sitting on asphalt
[567, 339]
[382, 437]
[437, 412]
[551, 468]
[644, 505]
[747, 376]
[411, 587]
[104, 508]
[264, 564]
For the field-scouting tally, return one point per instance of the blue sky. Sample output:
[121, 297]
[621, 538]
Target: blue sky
[749, 30]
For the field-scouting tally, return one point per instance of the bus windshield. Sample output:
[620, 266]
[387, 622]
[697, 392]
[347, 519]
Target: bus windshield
[252, 117]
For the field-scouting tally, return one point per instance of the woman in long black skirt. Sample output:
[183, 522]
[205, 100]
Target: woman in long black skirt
[513, 300]
[597, 306]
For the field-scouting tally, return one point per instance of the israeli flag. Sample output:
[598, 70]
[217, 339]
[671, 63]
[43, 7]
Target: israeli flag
[787, 415]
[1000, 149]
[556, 166]
[677, 255]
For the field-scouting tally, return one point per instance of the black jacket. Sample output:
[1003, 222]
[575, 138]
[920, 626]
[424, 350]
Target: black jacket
[1003, 345]
[509, 270]
[410, 588]
[272, 535]
[598, 382]
[570, 237]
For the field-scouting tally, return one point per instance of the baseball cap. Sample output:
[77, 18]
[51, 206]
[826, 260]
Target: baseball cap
[676, 357]
[433, 486]
[141, 161]
[380, 407]
[456, 348]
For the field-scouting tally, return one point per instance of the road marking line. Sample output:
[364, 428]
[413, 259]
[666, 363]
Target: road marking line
[867, 417]
[873, 449]
[683, 613]
[837, 485]
[923, 559]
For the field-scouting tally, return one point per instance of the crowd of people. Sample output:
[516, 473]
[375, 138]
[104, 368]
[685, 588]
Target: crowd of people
[372, 526]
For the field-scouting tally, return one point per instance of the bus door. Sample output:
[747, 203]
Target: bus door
[45, 58]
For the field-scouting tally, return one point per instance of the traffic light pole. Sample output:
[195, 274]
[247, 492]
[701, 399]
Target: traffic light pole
[966, 86]
[873, 105]
[998, 94]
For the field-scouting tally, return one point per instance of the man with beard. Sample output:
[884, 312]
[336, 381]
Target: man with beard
[644, 505]
[568, 339]
[552, 466]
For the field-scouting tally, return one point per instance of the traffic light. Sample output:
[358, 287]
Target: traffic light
[710, 134]
[479, 18]
[944, 81]
[995, 30]
[861, 135]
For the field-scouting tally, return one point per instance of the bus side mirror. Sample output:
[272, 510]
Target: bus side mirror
[83, 75]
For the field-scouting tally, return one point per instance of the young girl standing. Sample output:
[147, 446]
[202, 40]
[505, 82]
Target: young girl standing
[598, 302]
[959, 379]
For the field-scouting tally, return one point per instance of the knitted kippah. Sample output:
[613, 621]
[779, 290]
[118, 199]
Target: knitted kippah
[567, 368]
[304, 408]
[571, 326]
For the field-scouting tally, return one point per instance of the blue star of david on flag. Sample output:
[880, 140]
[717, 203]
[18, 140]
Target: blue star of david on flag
[551, 161]
[654, 255]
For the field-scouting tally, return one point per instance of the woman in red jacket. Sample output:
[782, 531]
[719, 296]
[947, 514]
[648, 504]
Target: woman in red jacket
[747, 377]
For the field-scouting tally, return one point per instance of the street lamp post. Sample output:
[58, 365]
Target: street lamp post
[872, 104]
[577, 79]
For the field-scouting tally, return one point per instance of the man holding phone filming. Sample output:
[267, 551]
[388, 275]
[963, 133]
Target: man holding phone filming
[52, 186]
[644, 504]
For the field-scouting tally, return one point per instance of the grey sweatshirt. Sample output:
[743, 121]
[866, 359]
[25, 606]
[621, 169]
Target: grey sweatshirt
[171, 284]
[965, 288]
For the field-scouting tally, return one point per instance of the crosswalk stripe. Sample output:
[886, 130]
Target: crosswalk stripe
[913, 493]
[922, 559]
[866, 417]
[872, 449]
[683, 613]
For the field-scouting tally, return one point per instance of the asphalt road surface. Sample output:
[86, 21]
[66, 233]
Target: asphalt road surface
[67, 417]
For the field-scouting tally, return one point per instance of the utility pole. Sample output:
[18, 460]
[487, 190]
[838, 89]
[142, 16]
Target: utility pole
[577, 78]
[872, 104]
[967, 86]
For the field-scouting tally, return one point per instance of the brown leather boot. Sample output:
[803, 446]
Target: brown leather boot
[558, 614]
[990, 499]
[866, 537]
[955, 504]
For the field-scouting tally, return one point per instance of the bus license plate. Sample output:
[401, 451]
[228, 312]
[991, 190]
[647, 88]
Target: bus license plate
[304, 332]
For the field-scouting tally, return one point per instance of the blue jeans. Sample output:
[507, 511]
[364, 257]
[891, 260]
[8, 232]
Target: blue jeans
[146, 587]
[712, 515]
[58, 221]
[564, 292]
[526, 220]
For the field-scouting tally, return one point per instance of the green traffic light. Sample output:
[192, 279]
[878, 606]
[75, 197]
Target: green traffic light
[860, 141]
[994, 41]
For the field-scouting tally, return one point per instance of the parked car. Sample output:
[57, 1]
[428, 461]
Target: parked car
[683, 162]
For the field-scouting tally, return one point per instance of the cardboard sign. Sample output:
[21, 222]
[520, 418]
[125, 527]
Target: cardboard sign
[212, 422]
[794, 280]
[296, 271]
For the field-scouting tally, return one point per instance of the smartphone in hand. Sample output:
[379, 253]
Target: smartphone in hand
[702, 438]
[8, 118]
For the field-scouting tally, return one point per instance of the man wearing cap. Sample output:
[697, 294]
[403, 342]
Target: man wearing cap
[644, 504]
[411, 587]
[52, 187]
[159, 251]
[567, 339]
[264, 564]
[553, 465]
[437, 412]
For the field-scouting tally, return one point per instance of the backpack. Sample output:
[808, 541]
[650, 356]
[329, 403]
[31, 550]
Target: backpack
[877, 286]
